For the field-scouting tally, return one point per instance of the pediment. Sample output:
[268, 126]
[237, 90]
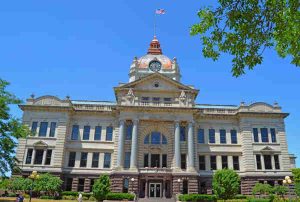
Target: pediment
[267, 149]
[261, 107]
[40, 144]
[48, 100]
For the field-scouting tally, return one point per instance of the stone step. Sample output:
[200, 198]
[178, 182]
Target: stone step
[156, 200]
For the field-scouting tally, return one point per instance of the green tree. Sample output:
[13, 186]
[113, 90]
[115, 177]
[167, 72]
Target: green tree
[101, 187]
[226, 183]
[296, 178]
[10, 130]
[244, 29]
[4, 183]
[20, 184]
[297, 188]
[280, 190]
[261, 189]
[48, 183]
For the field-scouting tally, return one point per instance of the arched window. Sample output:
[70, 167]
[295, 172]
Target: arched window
[155, 138]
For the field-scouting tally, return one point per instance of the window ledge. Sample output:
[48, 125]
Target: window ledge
[92, 141]
[217, 144]
[38, 138]
[266, 143]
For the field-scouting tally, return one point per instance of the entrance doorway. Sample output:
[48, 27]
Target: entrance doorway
[155, 190]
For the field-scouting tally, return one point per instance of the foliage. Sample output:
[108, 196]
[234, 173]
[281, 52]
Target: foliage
[244, 29]
[240, 196]
[10, 130]
[233, 200]
[297, 188]
[259, 200]
[12, 194]
[20, 184]
[120, 196]
[226, 183]
[280, 190]
[260, 188]
[85, 194]
[4, 184]
[70, 193]
[296, 174]
[101, 187]
[92, 198]
[198, 197]
[68, 197]
[48, 183]
[47, 197]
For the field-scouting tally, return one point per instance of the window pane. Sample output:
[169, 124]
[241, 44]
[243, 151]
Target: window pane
[83, 159]
[164, 139]
[127, 160]
[201, 135]
[128, 131]
[146, 140]
[258, 162]
[211, 136]
[202, 163]
[233, 136]
[223, 136]
[43, 129]
[38, 156]
[185, 188]
[107, 159]
[125, 185]
[86, 132]
[155, 138]
[146, 160]
[72, 157]
[182, 133]
[224, 162]
[97, 135]
[255, 134]
[48, 157]
[81, 184]
[273, 134]
[213, 162]
[69, 184]
[277, 164]
[52, 129]
[183, 161]
[268, 162]
[29, 156]
[95, 161]
[75, 132]
[236, 163]
[109, 133]
[155, 160]
[264, 135]
[34, 127]
[164, 160]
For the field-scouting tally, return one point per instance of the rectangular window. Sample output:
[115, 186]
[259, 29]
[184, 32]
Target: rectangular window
[125, 185]
[83, 159]
[29, 156]
[145, 99]
[202, 163]
[86, 132]
[38, 159]
[107, 159]
[80, 184]
[127, 160]
[48, 157]
[213, 162]
[69, 184]
[155, 100]
[109, 133]
[211, 133]
[92, 184]
[43, 129]
[255, 135]
[264, 135]
[268, 161]
[155, 160]
[201, 136]
[224, 162]
[146, 160]
[52, 129]
[75, 132]
[72, 157]
[258, 162]
[128, 131]
[182, 133]
[95, 160]
[273, 134]
[236, 163]
[185, 187]
[164, 160]
[277, 164]
[233, 135]
[97, 135]
[34, 127]
[183, 161]
[167, 100]
[223, 136]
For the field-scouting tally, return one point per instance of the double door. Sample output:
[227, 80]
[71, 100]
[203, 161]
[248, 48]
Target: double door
[155, 190]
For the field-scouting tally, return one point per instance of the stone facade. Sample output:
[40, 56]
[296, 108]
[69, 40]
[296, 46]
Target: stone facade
[154, 140]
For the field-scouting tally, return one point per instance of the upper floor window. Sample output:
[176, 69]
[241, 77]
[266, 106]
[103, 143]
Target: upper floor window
[164, 160]
[223, 136]
[264, 135]
[72, 157]
[52, 129]
[273, 134]
[276, 160]
[75, 132]
[97, 135]
[224, 162]
[86, 132]
[182, 133]
[213, 162]
[127, 160]
[167, 99]
[258, 162]
[233, 134]
[95, 160]
[201, 162]
[109, 133]
[201, 135]
[107, 159]
[145, 99]
[255, 135]
[211, 134]
[38, 159]
[48, 157]
[34, 127]
[29, 156]
[183, 161]
[155, 99]
[83, 159]
[155, 138]
[236, 162]
[268, 161]
[43, 129]
[128, 131]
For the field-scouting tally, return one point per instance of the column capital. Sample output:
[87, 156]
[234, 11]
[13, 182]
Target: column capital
[192, 122]
[135, 121]
[122, 121]
[177, 122]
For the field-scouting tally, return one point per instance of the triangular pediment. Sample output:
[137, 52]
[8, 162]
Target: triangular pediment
[267, 149]
[40, 144]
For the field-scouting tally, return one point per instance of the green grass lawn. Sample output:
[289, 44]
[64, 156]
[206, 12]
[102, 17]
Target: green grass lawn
[11, 199]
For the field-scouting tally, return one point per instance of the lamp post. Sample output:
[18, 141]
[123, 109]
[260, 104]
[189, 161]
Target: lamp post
[179, 180]
[287, 181]
[34, 175]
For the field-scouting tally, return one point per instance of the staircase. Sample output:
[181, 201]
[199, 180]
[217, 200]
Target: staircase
[156, 200]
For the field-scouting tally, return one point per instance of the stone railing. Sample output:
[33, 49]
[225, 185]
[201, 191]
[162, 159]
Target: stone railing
[86, 107]
[219, 111]
[155, 170]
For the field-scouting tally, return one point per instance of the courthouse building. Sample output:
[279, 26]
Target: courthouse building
[154, 140]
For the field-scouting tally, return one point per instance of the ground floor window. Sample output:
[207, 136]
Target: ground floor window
[92, 184]
[125, 185]
[185, 188]
[80, 184]
[202, 188]
[69, 184]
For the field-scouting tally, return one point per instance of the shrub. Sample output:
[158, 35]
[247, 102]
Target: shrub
[280, 190]
[68, 197]
[92, 198]
[101, 187]
[259, 200]
[12, 195]
[48, 183]
[88, 195]
[120, 196]
[197, 197]
[47, 197]
[234, 200]
[260, 188]
[69, 193]
[297, 188]
[26, 196]
[85, 198]
[226, 183]
[240, 196]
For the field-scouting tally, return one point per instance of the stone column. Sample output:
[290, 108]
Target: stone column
[134, 146]
[33, 157]
[121, 145]
[146, 189]
[177, 146]
[191, 160]
[44, 157]
[273, 162]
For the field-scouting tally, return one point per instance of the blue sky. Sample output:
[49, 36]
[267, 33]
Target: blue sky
[84, 48]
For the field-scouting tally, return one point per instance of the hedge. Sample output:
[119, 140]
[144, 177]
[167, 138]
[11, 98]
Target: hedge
[198, 197]
[259, 200]
[69, 193]
[119, 196]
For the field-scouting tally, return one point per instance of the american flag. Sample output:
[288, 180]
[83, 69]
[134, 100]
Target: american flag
[160, 11]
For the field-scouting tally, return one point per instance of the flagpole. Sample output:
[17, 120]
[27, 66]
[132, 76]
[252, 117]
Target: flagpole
[154, 24]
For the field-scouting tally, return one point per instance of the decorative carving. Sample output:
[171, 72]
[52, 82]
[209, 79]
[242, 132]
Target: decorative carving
[182, 96]
[130, 96]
